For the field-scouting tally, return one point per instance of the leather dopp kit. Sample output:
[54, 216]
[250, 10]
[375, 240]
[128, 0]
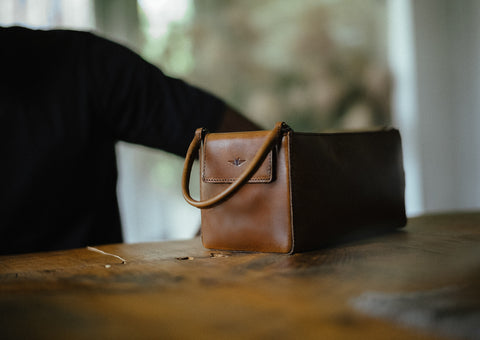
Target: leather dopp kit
[287, 192]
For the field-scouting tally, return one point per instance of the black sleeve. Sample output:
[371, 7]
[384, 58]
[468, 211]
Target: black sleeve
[140, 104]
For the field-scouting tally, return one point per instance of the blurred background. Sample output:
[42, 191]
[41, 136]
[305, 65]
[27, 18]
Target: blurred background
[316, 64]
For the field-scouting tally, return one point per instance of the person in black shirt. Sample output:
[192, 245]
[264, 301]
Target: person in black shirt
[66, 98]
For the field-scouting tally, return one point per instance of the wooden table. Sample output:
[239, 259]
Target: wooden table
[422, 282]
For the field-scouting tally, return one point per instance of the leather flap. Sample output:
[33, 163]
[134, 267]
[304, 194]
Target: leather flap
[226, 155]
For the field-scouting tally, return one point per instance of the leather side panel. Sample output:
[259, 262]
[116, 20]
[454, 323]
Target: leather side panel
[344, 183]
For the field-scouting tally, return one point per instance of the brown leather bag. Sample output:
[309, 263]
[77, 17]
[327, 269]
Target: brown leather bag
[283, 191]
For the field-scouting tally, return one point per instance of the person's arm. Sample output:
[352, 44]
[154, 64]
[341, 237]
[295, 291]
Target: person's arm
[234, 121]
[139, 104]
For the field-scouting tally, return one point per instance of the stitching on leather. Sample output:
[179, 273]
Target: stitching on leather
[253, 179]
[229, 180]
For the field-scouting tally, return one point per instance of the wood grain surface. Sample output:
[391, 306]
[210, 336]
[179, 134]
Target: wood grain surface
[422, 282]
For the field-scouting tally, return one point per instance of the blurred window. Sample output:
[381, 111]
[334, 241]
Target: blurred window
[76, 14]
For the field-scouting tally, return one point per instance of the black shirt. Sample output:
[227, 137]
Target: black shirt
[65, 99]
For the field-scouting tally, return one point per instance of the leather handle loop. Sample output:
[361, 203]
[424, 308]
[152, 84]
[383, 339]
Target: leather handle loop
[270, 141]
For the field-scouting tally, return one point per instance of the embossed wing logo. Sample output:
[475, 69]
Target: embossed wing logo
[237, 161]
